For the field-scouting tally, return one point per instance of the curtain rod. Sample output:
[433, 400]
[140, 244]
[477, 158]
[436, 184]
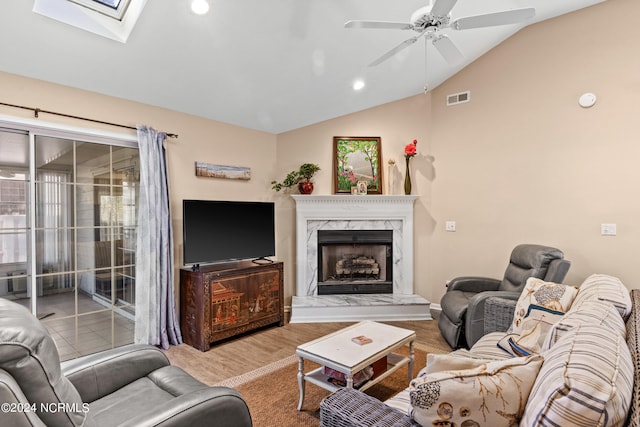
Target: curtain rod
[37, 111]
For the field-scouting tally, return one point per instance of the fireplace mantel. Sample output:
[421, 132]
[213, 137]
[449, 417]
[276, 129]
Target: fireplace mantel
[326, 206]
[353, 212]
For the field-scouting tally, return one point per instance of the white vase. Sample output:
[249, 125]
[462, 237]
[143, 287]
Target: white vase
[391, 179]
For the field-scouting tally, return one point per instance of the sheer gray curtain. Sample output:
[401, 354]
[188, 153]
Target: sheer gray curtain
[156, 321]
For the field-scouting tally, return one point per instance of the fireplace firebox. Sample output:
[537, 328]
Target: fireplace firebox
[355, 262]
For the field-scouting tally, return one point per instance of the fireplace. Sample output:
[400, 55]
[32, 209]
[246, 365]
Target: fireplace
[355, 262]
[378, 287]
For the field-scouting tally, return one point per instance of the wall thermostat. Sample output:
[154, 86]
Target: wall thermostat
[587, 100]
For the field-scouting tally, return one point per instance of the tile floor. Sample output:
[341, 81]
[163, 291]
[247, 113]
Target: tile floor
[94, 329]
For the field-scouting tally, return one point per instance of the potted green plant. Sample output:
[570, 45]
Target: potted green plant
[301, 177]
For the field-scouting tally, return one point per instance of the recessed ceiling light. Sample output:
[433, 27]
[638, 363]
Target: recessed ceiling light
[358, 85]
[200, 7]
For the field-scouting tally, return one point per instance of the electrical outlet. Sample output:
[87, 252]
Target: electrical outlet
[450, 226]
[608, 229]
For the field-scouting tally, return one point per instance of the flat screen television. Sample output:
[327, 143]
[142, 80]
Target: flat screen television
[218, 231]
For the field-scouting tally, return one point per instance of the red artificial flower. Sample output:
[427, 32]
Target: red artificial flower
[411, 150]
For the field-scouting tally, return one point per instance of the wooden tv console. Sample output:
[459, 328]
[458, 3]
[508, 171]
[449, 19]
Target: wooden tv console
[221, 301]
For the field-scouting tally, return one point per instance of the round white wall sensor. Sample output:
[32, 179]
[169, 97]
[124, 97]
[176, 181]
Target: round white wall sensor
[587, 100]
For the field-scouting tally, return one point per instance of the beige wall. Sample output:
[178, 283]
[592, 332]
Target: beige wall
[397, 124]
[199, 139]
[522, 162]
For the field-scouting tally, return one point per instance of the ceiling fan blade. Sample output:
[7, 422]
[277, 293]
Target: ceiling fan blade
[379, 25]
[492, 19]
[405, 44]
[448, 50]
[442, 7]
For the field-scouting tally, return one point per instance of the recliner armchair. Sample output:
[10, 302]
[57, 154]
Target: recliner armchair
[134, 385]
[461, 321]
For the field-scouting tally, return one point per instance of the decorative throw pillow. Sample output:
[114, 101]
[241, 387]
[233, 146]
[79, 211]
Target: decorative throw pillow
[586, 380]
[535, 327]
[492, 394]
[451, 362]
[604, 288]
[554, 296]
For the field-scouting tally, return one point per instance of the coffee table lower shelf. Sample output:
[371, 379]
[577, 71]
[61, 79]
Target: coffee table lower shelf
[317, 376]
[394, 362]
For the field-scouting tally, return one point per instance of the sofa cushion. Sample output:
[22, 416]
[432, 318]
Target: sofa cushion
[633, 323]
[554, 296]
[486, 348]
[604, 288]
[535, 327]
[592, 312]
[586, 380]
[400, 401]
[129, 399]
[493, 393]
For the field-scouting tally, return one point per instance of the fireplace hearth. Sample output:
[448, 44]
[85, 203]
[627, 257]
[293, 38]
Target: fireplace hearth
[355, 262]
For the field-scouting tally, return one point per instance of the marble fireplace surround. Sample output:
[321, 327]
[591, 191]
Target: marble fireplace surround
[355, 212]
[371, 212]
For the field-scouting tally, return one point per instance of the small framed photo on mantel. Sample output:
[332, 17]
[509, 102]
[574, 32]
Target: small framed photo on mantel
[362, 187]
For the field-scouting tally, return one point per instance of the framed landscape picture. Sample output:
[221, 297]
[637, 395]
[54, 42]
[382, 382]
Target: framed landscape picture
[357, 159]
[220, 171]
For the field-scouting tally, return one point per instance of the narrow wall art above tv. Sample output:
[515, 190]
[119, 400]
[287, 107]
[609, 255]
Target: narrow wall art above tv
[221, 231]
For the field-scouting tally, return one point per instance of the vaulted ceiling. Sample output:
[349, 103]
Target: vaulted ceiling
[271, 65]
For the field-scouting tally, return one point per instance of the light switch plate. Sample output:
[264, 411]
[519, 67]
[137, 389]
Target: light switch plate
[608, 229]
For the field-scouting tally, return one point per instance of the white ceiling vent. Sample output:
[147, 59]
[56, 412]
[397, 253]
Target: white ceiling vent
[459, 98]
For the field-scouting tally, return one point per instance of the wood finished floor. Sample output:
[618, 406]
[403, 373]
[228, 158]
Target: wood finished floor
[254, 350]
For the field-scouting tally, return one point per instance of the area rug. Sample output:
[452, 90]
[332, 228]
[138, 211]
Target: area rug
[272, 393]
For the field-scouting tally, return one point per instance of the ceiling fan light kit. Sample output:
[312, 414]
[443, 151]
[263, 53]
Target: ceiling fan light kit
[429, 21]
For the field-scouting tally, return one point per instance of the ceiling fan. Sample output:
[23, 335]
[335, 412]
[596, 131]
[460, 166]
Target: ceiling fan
[429, 21]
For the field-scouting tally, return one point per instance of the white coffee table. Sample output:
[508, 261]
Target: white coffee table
[338, 352]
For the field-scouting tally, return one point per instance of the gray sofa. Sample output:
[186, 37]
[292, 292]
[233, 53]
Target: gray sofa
[570, 366]
[134, 385]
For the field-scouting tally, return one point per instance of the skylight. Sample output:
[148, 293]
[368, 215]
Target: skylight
[114, 19]
[114, 4]
[113, 8]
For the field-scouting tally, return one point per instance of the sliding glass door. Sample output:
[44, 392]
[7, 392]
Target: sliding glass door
[68, 223]
[14, 232]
